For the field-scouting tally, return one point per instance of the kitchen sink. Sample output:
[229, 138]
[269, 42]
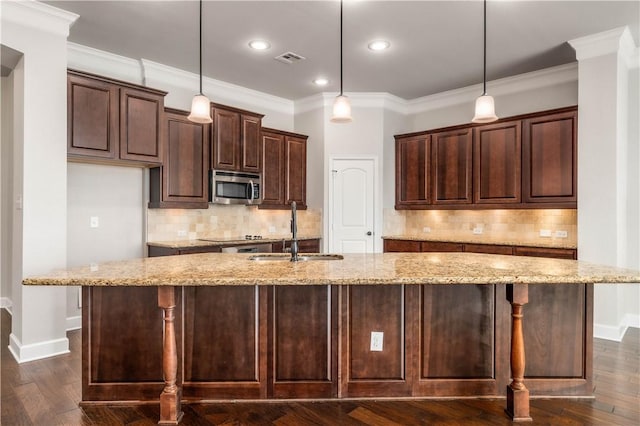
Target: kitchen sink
[301, 257]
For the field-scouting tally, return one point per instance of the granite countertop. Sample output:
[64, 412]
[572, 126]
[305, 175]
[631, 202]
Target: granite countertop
[483, 239]
[381, 268]
[209, 242]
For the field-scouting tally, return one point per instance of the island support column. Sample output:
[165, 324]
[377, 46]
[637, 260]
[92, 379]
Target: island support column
[517, 392]
[170, 409]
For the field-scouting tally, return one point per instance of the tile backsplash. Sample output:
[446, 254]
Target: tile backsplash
[228, 222]
[510, 225]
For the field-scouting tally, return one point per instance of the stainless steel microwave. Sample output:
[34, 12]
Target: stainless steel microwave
[226, 187]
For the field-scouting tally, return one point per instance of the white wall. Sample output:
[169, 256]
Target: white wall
[6, 190]
[40, 33]
[116, 196]
[311, 123]
[394, 123]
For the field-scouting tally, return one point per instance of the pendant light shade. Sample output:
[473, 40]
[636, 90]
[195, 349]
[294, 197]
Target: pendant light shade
[200, 106]
[485, 106]
[341, 105]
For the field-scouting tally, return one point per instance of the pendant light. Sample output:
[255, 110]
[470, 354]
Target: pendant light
[485, 107]
[200, 106]
[341, 105]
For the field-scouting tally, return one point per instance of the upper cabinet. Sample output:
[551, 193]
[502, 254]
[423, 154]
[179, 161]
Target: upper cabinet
[413, 166]
[236, 143]
[182, 181]
[549, 158]
[284, 172]
[109, 120]
[520, 162]
[497, 163]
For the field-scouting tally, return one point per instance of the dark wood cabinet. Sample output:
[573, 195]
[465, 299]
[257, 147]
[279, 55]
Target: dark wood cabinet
[452, 161]
[155, 251]
[557, 253]
[527, 161]
[497, 163]
[549, 159]
[110, 120]
[488, 249]
[235, 142]
[438, 246]
[182, 181]
[284, 170]
[401, 246]
[413, 172]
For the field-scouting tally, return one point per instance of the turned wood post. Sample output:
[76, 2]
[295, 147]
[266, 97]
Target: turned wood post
[170, 409]
[517, 392]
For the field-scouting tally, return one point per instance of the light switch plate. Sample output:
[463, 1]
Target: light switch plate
[426, 230]
[545, 232]
[377, 338]
[560, 234]
[477, 230]
[94, 222]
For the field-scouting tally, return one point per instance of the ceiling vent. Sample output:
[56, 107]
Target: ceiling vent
[289, 58]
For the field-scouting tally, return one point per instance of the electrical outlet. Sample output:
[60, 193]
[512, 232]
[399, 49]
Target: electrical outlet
[426, 230]
[93, 266]
[272, 229]
[94, 222]
[377, 338]
[545, 232]
[182, 233]
[478, 230]
[560, 234]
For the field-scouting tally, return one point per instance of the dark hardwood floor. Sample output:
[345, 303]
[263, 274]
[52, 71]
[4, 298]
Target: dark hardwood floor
[47, 392]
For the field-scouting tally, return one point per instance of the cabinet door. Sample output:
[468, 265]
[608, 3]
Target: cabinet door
[273, 171]
[413, 167]
[440, 246]
[391, 246]
[497, 163]
[140, 125]
[184, 175]
[549, 159]
[451, 153]
[296, 170]
[92, 117]
[251, 143]
[557, 253]
[226, 140]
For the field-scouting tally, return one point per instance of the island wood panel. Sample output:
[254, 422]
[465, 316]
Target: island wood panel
[497, 163]
[452, 160]
[303, 336]
[366, 309]
[225, 342]
[558, 336]
[462, 334]
[126, 318]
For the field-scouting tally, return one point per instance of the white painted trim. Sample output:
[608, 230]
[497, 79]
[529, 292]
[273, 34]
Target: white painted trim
[39, 16]
[631, 320]
[24, 353]
[616, 333]
[358, 99]
[602, 43]
[215, 88]
[96, 61]
[6, 303]
[74, 323]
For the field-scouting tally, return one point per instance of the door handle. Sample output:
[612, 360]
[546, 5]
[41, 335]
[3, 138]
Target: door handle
[369, 233]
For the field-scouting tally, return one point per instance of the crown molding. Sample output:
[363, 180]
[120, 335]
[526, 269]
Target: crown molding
[360, 100]
[603, 43]
[96, 61]
[39, 16]
[215, 88]
[504, 86]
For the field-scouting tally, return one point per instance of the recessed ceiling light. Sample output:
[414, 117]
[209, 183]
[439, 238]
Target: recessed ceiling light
[259, 44]
[379, 45]
[320, 81]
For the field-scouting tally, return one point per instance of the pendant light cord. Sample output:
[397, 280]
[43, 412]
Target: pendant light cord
[484, 67]
[201, 47]
[340, 47]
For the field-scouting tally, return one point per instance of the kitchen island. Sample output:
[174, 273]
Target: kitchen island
[451, 325]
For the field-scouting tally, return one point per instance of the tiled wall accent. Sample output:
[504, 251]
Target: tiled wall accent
[510, 225]
[228, 222]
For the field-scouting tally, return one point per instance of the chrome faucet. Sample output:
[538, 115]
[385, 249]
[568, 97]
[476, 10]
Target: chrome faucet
[294, 232]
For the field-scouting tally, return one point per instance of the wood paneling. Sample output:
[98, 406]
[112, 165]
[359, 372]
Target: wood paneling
[413, 172]
[549, 158]
[182, 181]
[92, 117]
[497, 163]
[452, 161]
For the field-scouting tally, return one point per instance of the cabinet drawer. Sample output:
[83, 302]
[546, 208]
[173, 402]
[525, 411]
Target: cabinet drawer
[556, 253]
[435, 246]
[489, 249]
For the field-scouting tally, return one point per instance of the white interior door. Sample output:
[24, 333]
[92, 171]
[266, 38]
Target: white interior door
[352, 206]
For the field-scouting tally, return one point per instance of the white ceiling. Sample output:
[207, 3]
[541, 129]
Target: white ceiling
[435, 45]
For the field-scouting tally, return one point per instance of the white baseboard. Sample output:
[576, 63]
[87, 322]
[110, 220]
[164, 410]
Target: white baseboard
[616, 333]
[24, 353]
[74, 323]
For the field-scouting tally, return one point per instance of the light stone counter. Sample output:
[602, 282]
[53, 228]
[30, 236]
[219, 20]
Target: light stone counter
[484, 239]
[213, 242]
[210, 269]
